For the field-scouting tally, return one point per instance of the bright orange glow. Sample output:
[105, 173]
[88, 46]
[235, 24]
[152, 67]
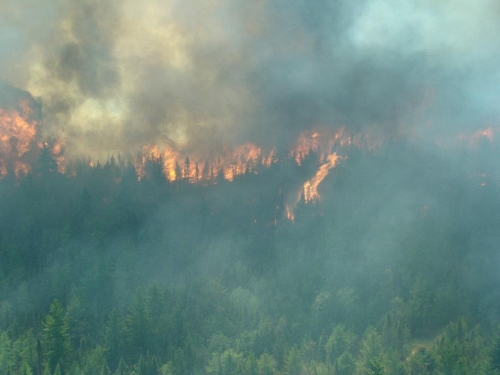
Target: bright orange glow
[311, 186]
[324, 143]
[229, 162]
[289, 213]
[57, 153]
[307, 142]
[237, 162]
[17, 132]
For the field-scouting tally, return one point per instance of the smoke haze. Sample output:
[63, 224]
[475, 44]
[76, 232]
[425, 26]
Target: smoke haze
[115, 75]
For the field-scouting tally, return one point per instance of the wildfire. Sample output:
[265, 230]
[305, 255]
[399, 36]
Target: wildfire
[16, 131]
[307, 142]
[289, 213]
[17, 134]
[58, 154]
[228, 164]
[324, 143]
[244, 158]
[311, 186]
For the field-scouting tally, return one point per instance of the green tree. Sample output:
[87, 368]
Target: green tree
[139, 333]
[122, 368]
[293, 361]
[376, 366]
[25, 350]
[25, 369]
[422, 362]
[56, 339]
[7, 360]
[345, 364]
[114, 339]
[229, 362]
[266, 365]
[462, 350]
[340, 341]
[371, 351]
[166, 369]
[495, 351]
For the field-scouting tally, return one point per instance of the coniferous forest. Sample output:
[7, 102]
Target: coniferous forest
[394, 270]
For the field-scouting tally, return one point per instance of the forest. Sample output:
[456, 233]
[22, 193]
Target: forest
[394, 270]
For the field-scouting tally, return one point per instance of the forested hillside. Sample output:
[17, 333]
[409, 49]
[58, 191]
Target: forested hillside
[394, 270]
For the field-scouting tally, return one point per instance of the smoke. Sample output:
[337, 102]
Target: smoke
[117, 74]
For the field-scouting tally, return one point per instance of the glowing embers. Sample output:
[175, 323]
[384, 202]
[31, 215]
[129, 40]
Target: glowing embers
[17, 134]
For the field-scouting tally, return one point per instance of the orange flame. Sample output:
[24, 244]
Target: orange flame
[17, 133]
[307, 142]
[57, 153]
[311, 186]
[323, 142]
[179, 166]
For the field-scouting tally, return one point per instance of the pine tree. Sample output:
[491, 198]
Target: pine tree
[56, 337]
[114, 338]
[122, 368]
[495, 352]
[7, 360]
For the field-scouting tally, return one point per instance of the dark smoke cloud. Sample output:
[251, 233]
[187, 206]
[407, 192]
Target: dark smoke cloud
[114, 75]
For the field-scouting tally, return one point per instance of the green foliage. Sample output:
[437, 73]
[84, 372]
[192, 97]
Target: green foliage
[167, 369]
[56, 340]
[345, 364]
[156, 277]
[266, 365]
[422, 362]
[396, 327]
[463, 350]
[376, 366]
[7, 360]
[293, 362]
[139, 333]
[340, 342]
[114, 338]
[228, 362]
[495, 351]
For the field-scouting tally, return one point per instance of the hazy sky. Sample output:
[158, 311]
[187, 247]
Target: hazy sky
[116, 74]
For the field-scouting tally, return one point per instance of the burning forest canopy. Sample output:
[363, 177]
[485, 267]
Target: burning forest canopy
[249, 188]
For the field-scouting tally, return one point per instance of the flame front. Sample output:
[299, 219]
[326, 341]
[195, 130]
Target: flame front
[16, 131]
[228, 164]
[307, 142]
[311, 186]
[231, 162]
[17, 134]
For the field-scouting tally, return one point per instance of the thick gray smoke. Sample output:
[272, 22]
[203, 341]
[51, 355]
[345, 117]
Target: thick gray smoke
[114, 75]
